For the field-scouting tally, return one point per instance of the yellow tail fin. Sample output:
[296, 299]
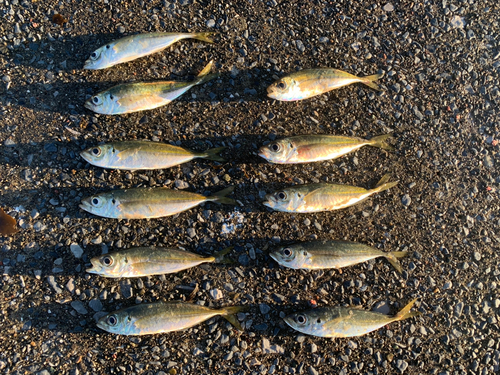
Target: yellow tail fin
[206, 37]
[369, 81]
[392, 257]
[383, 184]
[230, 315]
[405, 312]
[380, 142]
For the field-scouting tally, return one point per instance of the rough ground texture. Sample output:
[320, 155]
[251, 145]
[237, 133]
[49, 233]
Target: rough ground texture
[440, 100]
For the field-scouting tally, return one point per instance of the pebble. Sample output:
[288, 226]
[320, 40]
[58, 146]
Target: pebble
[406, 200]
[95, 305]
[300, 46]
[401, 365]
[9, 142]
[216, 294]
[312, 371]
[264, 309]
[180, 184]
[76, 250]
[388, 7]
[52, 282]
[79, 308]
[121, 29]
[210, 23]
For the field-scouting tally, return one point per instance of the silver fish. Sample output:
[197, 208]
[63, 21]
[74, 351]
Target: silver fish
[148, 261]
[134, 46]
[162, 317]
[141, 96]
[148, 203]
[134, 155]
[316, 255]
[344, 322]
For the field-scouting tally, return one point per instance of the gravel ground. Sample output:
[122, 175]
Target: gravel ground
[441, 93]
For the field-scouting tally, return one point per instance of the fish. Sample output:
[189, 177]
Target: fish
[149, 261]
[322, 196]
[312, 148]
[141, 96]
[344, 321]
[162, 317]
[148, 203]
[311, 82]
[134, 155]
[135, 46]
[8, 224]
[315, 255]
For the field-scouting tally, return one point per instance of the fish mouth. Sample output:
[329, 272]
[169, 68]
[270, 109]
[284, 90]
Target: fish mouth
[96, 268]
[271, 93]
[86, 205]
[85, 155]
[289, 320]
[87, 64]
[263, 153]
[89, 105]
[101, 323]
[274, 256]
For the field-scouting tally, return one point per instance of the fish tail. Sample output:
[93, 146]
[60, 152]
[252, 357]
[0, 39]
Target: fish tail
[204, 75]
[379, 142]
[220, 197]
[383, 184]
[213, 154]
[369, 81]
[205, 37]
[405, 312]
[219, 256]
[393, 256]
[229, 313]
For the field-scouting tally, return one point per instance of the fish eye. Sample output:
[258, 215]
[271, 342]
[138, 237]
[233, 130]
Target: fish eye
[281, 195]
[107, 261]
[275, 147]
[108, 46]
[93, 56]
[281, 85]
[96, 201]
[96, 100]
[111, 97]
[96, 151]
[113, 200]
[301, 319]
[112, 320]
[287, 252]
[318, 321]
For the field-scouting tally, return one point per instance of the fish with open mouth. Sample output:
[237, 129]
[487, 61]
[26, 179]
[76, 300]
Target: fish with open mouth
[148, 203]
[311, 82]
[312, 148]
[322, 196]
[344, 321]
[135, 46]
[162, 317]
[141, 96]
[134, 155]
[149, 261]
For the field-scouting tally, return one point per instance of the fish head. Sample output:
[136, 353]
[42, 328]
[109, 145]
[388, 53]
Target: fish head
[287, 200]
[292, 256]
[108, 265]
[285, 89]
[101, 156]
[278, 152]
[102, 205]
[105, 102]
[118, 322]
[308, 322]
[101, 58]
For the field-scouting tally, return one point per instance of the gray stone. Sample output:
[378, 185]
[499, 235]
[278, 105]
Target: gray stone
[78, 306]
[76, 250]
[216, 294]
[406, 200]
[388, 7]
[210, 23]
[95, 305]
